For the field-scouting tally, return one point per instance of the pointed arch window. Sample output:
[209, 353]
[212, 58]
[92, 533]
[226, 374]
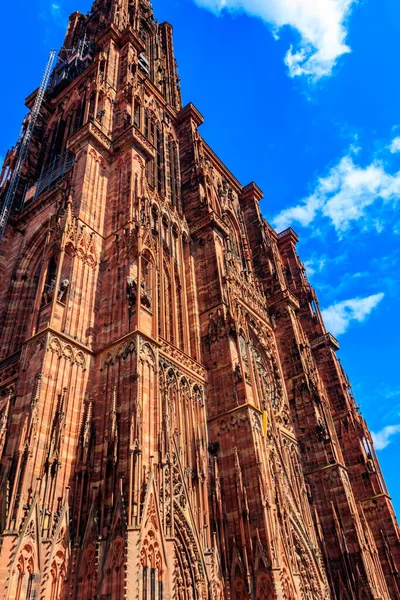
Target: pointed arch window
[59, 139]
[150, 558]
[150, 174]
[79, 113]
[159, 160]
[174, 179]
[149, 127]
[262, 378]
[146, 36]
[50, 282]
[137, 114]
[86, 578]
[168, 308]
[179, 309]
[101, 109]
[92, 104]
[146, 286]
[24, 577]
[102, 69]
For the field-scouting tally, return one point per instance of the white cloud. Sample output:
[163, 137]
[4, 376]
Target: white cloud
[315, 265]
[320, 23]
[338, 317]
[395, 145]
[57, 14]
[383, 437]
[344, 195]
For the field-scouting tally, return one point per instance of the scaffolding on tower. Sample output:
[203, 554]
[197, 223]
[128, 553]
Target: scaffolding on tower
[25, 139]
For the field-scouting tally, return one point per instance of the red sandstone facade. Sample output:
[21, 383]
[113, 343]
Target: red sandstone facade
[174, 422]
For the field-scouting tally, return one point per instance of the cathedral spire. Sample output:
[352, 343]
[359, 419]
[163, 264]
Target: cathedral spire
[123, 13]
[155, 59]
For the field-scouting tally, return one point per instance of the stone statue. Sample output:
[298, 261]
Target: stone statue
[131, 291]
[145, 297]
[62, 289]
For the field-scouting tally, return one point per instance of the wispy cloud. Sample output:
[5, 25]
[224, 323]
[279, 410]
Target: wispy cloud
[395, 145]
[321, 25]
[53, 13]
[383, 438]
[338, 316]
[56, 13]
[315, 265]
[344, 197]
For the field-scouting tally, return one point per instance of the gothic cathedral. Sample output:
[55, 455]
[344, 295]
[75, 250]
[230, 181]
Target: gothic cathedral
[174, 422]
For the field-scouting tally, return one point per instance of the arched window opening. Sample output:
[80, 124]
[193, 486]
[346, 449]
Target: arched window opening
[102, 70]
[168, 309]
[165, 234]
[149, 127]
[243, 352]
[264, 588]
[50, 282]
[174, 180]
[150, 130]
[233, 248]
[101, 109]
[159, 160]
[80, 113]
[159, 315]
[146, 36]
[175, 243]
[59, 139]
[146, 286]
[137, 114]
[150, 173]
[116, 572]
[56, 145]
[262, 379]
[86, 578]
[154, 220]
[150, 558]
[24, 578]
[239, 590]
[179, 308]
[58, 577]
[92, 106]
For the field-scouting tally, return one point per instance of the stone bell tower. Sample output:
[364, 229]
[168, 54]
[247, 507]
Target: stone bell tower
[173, 421]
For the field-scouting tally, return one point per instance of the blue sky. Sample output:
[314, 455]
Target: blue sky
[306, 104]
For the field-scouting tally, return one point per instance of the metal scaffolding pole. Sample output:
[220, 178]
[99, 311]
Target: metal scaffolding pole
[23, 151]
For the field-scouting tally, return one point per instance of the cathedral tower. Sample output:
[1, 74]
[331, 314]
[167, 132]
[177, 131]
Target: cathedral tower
[174, 423]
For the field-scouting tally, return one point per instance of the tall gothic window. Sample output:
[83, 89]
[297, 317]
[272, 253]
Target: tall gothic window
[86, 578]
[159, 160]
[137, 117]
[80, 113]
[50, 281]
[154, 167]
[150, 558]
[179, 307]
[150, 175]
[92, 103]
[262, 378]
[146, 285]
[149, 127]
[168, 308]
[174, 183]
[59, 138]
[145, 34]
